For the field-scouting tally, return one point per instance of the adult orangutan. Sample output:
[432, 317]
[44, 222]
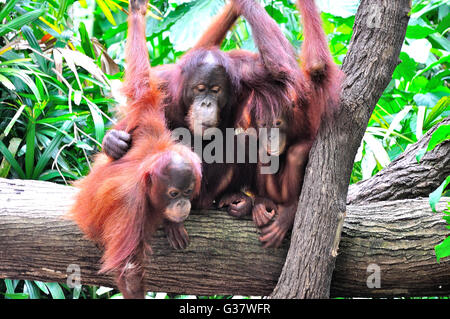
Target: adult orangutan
[207, 90]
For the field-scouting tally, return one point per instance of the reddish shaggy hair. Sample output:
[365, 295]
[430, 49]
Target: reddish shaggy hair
[112, 206]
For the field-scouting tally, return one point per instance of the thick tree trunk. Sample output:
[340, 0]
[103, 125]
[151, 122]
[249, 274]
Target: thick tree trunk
[224, 256]
[404, 177]
[379, 32]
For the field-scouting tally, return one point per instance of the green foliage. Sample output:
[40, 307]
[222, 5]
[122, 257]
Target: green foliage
[442, 134]
[443, 249]
[52, 97]
[417, 97]
[59, 60]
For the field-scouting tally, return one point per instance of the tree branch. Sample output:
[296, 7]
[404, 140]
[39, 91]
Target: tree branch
[224, 256]
[404, 177]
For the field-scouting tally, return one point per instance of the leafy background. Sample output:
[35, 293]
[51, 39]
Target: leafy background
[61, 63]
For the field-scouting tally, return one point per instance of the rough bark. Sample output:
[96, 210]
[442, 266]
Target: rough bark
[369, 65]
[404, 177]
[224, 256]
[387, 234]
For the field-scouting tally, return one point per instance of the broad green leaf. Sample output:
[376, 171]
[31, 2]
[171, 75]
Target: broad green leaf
[32, 41]
[30, 143]
[444, 14]
[63, 4]
[397, 119]
[98, 120]
[419, 9]
[443, 249]
[51, 174]
[442, 105]
[23, 76]
[86, 41]
[17, 296]
[7, 83]
[188, 28]
[113, 31]
[76, 292]
[102, 5]
[9, 286]
[441, 40]
[10, 158]
[13, 120]
[42, 23]
[32, 291]
[445, 59]
[406, 69]
[55, 290]
[7, 8]
[276, 14]
[42, 286]
[440, 135]
[62, 118]
[5, 166]
[20, 21]
[437, 194]
[47, 155]
[418, 32]
[429, 99]
[418, 84]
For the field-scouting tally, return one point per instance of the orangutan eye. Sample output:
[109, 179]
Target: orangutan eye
[201, 88]
[215, 89]
[188, 192]
[174, 193]
[278, 123]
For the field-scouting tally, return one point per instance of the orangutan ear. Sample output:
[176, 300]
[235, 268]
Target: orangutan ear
[148, 179]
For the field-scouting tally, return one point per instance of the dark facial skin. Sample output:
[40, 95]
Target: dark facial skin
[174, 191]
[206, 92]
[179, 183]
[267, 136]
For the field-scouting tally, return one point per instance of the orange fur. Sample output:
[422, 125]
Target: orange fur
[114, 206]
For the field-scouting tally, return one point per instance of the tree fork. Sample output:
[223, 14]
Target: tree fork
[405, 177]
